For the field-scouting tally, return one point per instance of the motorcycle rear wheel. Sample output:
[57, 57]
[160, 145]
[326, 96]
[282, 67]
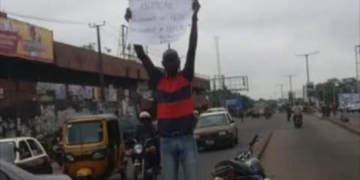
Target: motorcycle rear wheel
[298, 124]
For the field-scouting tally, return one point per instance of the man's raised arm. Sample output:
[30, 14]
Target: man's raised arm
[190, 57]
[148, 64]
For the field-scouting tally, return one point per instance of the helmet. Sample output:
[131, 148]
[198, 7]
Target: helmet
[196, 113]
[144, 115]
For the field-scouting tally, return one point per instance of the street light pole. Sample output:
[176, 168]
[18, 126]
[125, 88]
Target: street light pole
[291, 95]
[308, 71]
[290, 81]
[357, 50]
[282, 92]
[307, 63]
[307, 68]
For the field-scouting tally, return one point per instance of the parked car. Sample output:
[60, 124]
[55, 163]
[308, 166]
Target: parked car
[354, 107]
[27, 153]
[217, 109]
[216, 129]
[11, 172]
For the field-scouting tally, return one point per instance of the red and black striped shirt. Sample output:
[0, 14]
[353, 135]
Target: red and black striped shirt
[174, 103]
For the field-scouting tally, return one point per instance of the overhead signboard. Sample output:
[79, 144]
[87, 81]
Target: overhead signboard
[24, 40]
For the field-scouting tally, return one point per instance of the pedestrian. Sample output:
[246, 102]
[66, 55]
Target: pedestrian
[176, 120]
[288, 112]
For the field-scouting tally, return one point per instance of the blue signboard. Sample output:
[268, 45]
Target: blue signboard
[234, 103]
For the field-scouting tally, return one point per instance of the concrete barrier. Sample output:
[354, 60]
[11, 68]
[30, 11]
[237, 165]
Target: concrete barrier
[261, 144]
[344, 125]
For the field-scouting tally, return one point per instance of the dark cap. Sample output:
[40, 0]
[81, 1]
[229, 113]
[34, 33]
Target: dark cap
[170, 54]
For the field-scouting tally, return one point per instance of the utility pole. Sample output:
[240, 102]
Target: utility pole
[290, 81]
[282, 92]
[221, 78]
[334, 93]
[291, 95]
[100, 65]
[123, 28]
[324, 95]
[217, 55]
[169, 46]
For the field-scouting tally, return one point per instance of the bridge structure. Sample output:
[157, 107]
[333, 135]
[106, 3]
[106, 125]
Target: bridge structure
[69, 74]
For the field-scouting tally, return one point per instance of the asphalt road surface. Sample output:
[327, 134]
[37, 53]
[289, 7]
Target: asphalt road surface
[318, 151]
[207, 159]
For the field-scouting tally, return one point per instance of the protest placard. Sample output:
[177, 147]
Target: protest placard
[158, 21]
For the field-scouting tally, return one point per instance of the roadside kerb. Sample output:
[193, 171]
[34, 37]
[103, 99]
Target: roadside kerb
[261, 144]
[344, 125]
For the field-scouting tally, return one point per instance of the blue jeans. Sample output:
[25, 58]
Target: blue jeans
[179, 151]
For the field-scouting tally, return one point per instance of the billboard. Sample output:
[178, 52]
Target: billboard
[349, 98]
[24, 40]
[234, 103]
[310, 87]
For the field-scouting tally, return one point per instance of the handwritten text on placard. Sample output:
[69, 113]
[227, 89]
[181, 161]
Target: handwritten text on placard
[158, 21]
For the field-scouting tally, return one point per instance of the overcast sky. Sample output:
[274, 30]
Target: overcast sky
[258, 38]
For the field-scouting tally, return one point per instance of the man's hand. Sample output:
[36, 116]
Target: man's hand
[196, 7]
[128, 15]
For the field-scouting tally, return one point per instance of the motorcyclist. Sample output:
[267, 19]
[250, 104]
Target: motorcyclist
[297, 110]
[196, 114]
[146, 130]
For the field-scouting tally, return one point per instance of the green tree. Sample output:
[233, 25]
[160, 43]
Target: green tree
[90, 46]
[328, 91]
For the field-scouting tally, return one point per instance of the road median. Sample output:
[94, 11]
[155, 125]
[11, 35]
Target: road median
[345, 125]
[261, 144]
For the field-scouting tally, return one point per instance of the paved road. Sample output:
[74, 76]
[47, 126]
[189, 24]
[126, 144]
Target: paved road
[318, 151]
[247, 131]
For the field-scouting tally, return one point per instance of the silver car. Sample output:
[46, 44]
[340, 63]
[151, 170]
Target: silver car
[11, 172]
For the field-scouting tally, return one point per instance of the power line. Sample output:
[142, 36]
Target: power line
[48, 19]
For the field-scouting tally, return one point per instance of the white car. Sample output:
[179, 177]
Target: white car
[218, 109]
[26, 153]
[11, 172]
[354, 107]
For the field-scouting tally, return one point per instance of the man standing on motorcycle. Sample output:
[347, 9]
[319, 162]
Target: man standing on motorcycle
[176, 120]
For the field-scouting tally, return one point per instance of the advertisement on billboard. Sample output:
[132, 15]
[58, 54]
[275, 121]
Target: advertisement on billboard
[24, 40]
[349, 98]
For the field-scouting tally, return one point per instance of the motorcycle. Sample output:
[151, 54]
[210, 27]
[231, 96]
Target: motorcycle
[268, 115]
[297, 120]
[245, 166]
[143, 169]
[58, 154]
